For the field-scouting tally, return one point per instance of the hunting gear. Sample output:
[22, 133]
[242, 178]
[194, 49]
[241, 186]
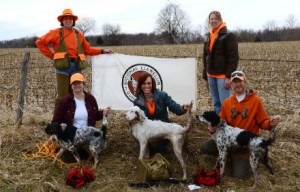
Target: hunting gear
[70, 48]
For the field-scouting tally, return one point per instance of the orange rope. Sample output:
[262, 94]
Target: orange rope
[46, 150]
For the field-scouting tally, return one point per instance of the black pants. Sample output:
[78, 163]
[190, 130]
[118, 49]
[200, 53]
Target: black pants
[160, 146]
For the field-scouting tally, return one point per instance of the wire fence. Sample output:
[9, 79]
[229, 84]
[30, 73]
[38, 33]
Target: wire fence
[277, 81]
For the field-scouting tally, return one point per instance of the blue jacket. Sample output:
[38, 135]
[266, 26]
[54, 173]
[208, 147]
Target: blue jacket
[163, 102]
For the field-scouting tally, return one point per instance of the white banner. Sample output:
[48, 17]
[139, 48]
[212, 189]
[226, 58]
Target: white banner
[114, 78]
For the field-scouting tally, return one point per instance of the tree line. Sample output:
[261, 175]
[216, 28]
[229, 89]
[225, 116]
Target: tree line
[172, 27]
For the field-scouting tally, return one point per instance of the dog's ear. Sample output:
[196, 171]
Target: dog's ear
[198, 117]
[215, 119]
[212, 117]
[141, 115]
[47, 129]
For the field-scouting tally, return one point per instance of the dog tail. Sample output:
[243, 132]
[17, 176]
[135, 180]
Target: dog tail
[190, 120]
[104, 127]
[271, 138]
[273, 133]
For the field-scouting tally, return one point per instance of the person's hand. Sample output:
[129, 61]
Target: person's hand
[212, 129]
[187, 107]
[107, 51]
[206, 85]
[274, 120]
[227, 83]
[106, 111]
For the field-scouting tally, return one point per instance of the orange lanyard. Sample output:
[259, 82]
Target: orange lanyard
[151, 107]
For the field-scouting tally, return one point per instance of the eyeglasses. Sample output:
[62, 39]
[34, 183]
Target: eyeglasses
[239, 74]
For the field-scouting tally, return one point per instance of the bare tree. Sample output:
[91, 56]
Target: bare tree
[291, 31]
[270, 25]
[111, 34]
[271, 32]
[291, 21]
[206, 26]
[109, 29]
[196, 35]
[173, 23]
[85, 24]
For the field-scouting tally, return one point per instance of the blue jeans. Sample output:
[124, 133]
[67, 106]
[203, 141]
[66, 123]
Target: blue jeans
[218, 92]
[69, 71]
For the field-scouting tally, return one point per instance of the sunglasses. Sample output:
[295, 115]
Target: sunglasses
[239, 74]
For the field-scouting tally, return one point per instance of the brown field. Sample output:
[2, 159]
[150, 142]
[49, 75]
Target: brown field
[273, 70]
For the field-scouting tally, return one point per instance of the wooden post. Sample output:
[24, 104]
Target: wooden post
[22, 88]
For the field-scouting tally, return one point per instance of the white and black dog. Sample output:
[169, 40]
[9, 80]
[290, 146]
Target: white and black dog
[144, 129]
[227, 136]
[72, 138]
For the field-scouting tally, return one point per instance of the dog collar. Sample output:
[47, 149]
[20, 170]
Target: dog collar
[133, 121]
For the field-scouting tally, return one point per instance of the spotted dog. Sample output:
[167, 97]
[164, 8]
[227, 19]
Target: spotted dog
[144, 129]
[71, 138]
[227, 136]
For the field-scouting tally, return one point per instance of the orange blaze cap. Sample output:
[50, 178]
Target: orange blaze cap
[67, 12]
[76, 77]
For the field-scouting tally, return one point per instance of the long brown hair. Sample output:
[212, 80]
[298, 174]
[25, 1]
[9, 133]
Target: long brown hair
[141, 81]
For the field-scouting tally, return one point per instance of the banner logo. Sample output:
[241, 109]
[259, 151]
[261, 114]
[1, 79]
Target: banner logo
[131, 76]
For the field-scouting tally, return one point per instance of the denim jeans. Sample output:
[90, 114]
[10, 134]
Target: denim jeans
[218, 92]
[69, 71]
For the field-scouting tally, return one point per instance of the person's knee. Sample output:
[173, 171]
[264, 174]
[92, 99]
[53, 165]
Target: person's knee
[241, 168]
[209, 147]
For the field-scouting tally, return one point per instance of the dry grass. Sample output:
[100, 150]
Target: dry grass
[116, 169]
[118, 161]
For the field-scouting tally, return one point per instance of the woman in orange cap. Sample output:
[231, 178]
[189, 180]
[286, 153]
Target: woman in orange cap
[70, 47]
[78, 109]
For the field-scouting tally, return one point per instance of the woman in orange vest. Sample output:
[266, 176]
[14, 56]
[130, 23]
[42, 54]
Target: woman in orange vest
[69, 45]
[220, 59]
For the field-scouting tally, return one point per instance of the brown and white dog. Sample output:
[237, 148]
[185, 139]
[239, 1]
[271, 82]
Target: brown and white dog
[144, 129]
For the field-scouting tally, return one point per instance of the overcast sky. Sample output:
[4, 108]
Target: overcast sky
[27, 18]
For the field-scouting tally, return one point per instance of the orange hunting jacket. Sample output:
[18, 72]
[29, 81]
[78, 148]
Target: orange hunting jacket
[53, 38]
[248, 114]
